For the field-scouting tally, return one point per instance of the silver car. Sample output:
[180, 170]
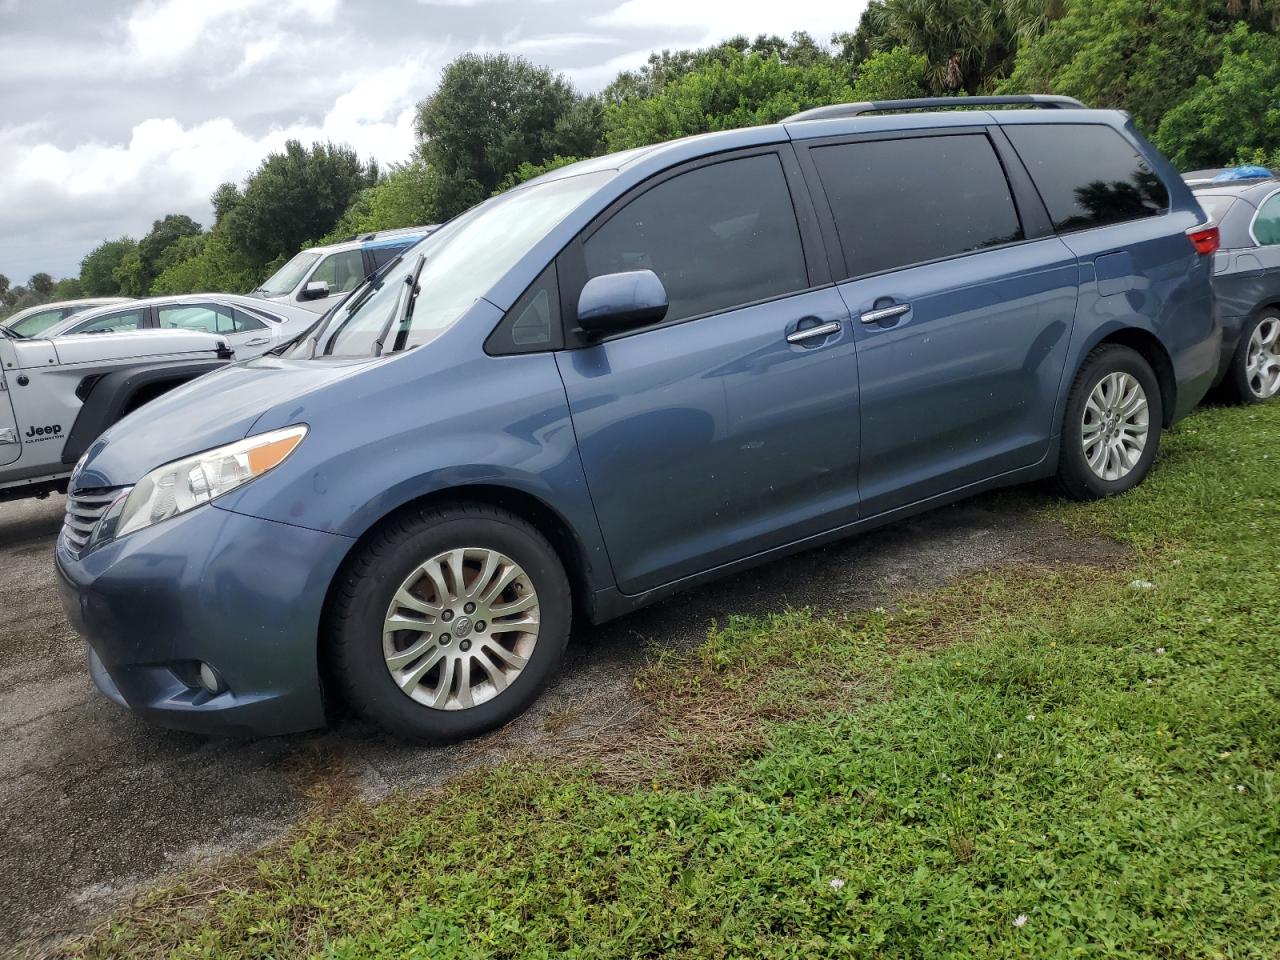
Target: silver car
[249, 324]
[319, 277]
[34, 321]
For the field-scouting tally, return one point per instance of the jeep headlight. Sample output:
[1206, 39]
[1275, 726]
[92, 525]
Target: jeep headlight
[184, 484]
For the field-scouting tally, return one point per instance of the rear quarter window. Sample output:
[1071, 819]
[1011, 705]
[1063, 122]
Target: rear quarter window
[1088, 175]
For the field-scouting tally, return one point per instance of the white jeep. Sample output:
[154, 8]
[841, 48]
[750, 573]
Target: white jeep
[58, 396]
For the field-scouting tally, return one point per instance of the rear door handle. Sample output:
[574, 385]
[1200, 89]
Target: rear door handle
[810, 333]
[886, 313]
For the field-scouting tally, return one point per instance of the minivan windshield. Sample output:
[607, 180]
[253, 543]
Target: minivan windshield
[286, 278]
[455, 266]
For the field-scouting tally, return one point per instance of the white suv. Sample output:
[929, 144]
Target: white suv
[318, 276]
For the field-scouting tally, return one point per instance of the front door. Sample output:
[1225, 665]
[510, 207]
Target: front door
[731, 427]
[962, 317]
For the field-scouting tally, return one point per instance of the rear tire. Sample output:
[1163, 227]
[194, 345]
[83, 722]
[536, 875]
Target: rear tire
[1111, 432]
[1254, 372]
[417, 643]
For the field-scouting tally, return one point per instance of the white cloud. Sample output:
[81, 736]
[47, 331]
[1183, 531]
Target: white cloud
[708, 22]
[165, 32]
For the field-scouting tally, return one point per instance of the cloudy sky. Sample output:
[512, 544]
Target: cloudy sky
[115, 113]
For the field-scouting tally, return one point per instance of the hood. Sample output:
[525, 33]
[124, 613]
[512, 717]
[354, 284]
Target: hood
[213, 410]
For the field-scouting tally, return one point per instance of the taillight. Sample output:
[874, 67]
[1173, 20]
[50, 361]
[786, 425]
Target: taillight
[1204, 238]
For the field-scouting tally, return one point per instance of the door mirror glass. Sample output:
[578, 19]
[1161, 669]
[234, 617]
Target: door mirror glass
[620, 301]
[315, 290]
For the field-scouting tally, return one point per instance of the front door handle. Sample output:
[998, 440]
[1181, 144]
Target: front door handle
[257, 343]
[886, 313]
[810, 333]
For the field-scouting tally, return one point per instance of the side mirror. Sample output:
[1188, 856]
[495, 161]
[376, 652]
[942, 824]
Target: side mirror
[620, 301]
[315, 290]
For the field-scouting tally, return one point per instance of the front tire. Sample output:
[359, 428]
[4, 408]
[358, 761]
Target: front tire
[1254, 374]
[1111, 432]
[449, 622]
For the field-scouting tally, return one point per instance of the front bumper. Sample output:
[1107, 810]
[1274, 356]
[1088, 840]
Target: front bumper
[241, 594]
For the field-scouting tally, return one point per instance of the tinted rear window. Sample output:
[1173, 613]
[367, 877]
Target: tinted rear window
[1088, 175]
[899, 202]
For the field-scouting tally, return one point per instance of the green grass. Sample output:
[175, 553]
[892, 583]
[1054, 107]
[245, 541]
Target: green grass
[1048, 744]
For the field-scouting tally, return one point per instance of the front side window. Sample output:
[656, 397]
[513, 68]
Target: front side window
[205, 317]
[1266, 225]
[456, 266]
[341, 271]
[907, 201]
[1088, 175]
[719, 236]
[114, 322]
[289, 276]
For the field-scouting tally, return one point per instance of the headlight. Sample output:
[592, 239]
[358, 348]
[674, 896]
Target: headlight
[184, 484]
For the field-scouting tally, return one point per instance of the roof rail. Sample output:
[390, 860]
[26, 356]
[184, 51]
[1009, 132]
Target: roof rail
[935, 103]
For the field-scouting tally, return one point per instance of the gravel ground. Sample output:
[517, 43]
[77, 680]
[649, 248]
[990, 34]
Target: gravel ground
[97, 805]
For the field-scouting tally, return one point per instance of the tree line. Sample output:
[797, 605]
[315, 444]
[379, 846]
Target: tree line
[1201, 78]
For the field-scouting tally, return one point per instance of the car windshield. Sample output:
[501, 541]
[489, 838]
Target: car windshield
[455, 267]
[37, 323]
[286, 278]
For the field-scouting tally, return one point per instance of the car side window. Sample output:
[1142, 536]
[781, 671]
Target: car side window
[381, 256]
[1266, 225]
[205, 317]
[718, 236]
[241, 322]
[910, 200]
[114, 322]
[1088, 175]
[341, 271]
[533, 323]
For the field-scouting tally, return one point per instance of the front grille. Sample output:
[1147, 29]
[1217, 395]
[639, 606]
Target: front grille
[84, 509]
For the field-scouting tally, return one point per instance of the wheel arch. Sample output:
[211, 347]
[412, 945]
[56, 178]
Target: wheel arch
[1148, 346]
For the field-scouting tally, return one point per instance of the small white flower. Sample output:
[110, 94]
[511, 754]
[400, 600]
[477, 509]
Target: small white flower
[1020, 920]
[1150, 681]
[1160, 650]
[999, 756]
[1239, 788]
[946, 778]
[1142, 585]
[836, 883]
[1031, 716]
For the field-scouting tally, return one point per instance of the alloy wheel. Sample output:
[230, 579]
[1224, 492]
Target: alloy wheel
[461, 628]
[1115, 425]
[1262, 361]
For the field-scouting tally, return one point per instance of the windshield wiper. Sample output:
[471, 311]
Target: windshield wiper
[399, 316]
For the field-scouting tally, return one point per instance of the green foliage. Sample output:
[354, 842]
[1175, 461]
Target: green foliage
[1125, 54]
[527, 171]
[98, 268]
[1236, 111]
[215, 264]
[406, 197]
[293, 197]
[732, 90]
[68, 288]
[41, 284]
[968, 44]
[489, 115]
[896, 74]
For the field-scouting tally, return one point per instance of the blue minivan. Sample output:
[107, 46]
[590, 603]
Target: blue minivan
[629, 376]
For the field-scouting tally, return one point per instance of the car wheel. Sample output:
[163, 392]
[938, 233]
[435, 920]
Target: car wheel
[1254, 375]
[1112, 428]
[449, 622]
